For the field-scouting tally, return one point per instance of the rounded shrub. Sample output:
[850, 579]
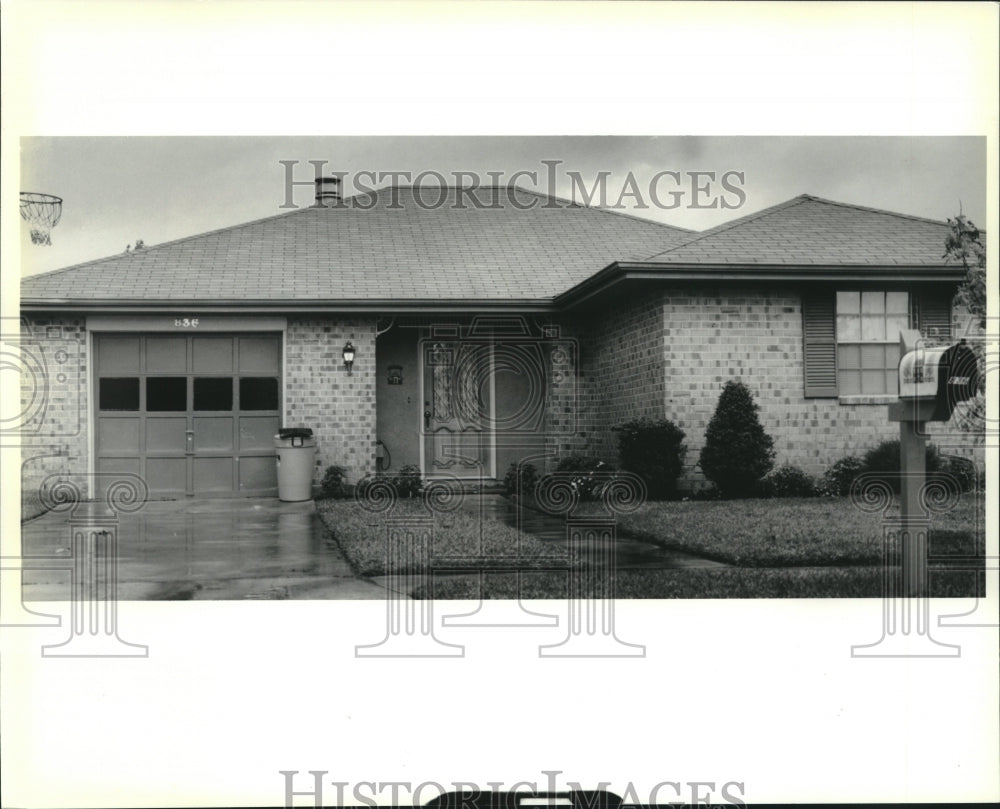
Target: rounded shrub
[883, 461]
[589, 475]
[737, 451]
[838, 479]
[408, 481]
[653, 450]
[963, 470]
[520, 479]
[334, 483]
[788, 481]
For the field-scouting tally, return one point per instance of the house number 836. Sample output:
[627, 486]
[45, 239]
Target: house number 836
[186, 322]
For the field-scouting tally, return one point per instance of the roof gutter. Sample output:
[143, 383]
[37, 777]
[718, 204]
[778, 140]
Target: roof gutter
[615, 277]
[230, 306]
[618, 273]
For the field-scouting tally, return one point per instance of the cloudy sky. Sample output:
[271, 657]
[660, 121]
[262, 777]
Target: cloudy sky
[119, 189]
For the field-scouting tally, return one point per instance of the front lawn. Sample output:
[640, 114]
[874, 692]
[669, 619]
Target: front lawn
[461, 541]
[781, 548]
[794, 531]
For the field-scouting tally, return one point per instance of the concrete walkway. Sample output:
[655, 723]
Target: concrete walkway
[205, 549]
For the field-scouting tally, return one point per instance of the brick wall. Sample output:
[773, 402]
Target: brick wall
[52, 427]
[319, 393]
[669, 355]
[622, 368]
[566, 411]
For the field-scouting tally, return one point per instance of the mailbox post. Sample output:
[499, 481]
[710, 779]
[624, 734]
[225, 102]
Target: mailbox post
[931, 382]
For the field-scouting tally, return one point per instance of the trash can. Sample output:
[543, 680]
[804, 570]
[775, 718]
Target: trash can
[295, 448]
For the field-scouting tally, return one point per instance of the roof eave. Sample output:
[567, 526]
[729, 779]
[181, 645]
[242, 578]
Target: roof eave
[222, 306]
[612, 276]
[620, 272]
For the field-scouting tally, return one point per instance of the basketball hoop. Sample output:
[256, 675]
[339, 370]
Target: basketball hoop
[42, 212]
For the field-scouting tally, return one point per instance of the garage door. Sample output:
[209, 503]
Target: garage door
[191, 414]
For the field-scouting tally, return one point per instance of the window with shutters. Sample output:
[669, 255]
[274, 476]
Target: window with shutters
[868, 327]
[851, 336]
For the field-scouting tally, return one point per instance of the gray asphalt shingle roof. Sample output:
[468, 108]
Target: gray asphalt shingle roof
[377, 247]
[808, 230]
[494, 244]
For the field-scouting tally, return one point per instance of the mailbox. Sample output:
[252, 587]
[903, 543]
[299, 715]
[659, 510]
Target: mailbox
[943, 375]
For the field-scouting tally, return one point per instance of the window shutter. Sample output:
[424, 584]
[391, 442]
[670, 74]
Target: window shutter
[819, 336]
[932, 310]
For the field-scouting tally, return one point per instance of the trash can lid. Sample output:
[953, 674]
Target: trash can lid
[295, 432]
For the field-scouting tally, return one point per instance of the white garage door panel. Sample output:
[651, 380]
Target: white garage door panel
[166, 435]
[166, 475]
[213, 355]
[259, 354]
[119, 436]
[256, 473]
[257, 432]
[214, 474]
[213, 433]
[120, 355]
[166, 355]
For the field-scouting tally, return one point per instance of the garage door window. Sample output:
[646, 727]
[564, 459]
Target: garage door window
[166, 394]
[258, 393]
[119, 393]
[213, 393]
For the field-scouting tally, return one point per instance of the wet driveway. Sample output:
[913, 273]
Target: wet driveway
[256, 549]
[630, 554]
[237, 548]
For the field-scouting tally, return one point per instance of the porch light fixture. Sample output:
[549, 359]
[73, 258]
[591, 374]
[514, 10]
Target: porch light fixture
[349, 356]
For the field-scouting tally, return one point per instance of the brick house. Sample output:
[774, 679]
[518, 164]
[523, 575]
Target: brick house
[487, 326]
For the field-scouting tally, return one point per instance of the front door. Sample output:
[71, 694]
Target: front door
[190, 414]
[458, 404]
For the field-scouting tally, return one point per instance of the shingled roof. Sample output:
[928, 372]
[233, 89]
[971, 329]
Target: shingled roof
[808, 230]
[396, 244]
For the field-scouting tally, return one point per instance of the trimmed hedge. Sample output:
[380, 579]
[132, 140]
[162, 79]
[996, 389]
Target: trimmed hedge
[655, 451]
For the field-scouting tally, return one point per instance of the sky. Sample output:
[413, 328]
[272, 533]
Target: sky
[120, 189]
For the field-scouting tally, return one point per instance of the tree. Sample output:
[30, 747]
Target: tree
[737, 451]
[965, 243]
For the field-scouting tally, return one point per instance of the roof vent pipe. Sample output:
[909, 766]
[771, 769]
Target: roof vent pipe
[327, 192]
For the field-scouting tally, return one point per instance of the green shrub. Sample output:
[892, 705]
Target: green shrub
[883, 462]
[737, 451]
[408, 481]
[653, 450]
[334, 484]
[788, 481]
[587, 474]
[838, 479]
[963, 470]
[520, 479]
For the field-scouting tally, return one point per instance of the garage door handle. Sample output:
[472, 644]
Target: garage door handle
[189, 441]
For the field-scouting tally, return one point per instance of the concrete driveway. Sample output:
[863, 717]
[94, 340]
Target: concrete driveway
[202, 549]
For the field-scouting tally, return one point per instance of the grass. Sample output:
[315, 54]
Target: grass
[790, 532]
[805, 582]
[781, 548]
[460, 540]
